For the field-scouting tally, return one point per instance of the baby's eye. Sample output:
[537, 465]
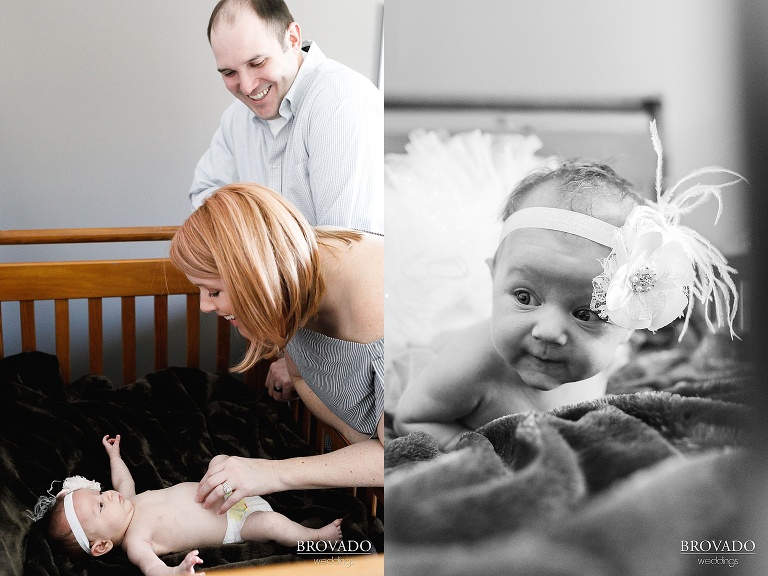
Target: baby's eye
[213, 294]
[523, 297]
[586, 315]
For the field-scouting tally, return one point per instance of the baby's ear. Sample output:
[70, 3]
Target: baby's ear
[101, 547]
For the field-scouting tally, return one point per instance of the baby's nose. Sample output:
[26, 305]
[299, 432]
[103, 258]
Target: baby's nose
[550, 328]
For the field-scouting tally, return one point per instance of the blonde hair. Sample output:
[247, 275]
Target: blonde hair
[266, 255]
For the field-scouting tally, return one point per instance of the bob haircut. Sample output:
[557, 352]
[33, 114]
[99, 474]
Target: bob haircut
[266, 255]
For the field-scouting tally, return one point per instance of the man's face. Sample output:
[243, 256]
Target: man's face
[257, 67]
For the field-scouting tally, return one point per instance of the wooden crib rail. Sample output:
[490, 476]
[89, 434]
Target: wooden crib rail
[86, 235]
[61, 282]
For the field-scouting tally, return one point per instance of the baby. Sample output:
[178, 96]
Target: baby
[583, 261]
[83, 519]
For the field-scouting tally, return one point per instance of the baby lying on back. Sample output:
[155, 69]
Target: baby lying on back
[85, 520]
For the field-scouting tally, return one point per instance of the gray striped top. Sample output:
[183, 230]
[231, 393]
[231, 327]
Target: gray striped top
[348, 377]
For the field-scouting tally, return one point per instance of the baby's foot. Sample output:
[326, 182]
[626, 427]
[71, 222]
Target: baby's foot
[331, 532]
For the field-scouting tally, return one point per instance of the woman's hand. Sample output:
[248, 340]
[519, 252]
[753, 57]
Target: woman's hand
[279, 383]
[245, 477]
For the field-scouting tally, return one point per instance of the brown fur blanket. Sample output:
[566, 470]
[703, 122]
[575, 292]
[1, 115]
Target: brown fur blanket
[172, 423]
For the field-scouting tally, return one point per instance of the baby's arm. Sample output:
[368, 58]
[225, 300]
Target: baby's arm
[449, 388]
[142, 554]
[121, 476]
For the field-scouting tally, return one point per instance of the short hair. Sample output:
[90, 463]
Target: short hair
[274, 13]
[266, 254]
[60, 532]
[580, 183]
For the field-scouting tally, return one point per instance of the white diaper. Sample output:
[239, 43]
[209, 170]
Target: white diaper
[239, 512]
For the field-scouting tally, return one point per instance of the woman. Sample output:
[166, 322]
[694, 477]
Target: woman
[314, 294]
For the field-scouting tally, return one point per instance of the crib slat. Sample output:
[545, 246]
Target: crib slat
[128, 315]
[161, 332]
[193, 330]
[222, 344]
[27, 317]
[2, 348]
[95, 336]
[61, 311]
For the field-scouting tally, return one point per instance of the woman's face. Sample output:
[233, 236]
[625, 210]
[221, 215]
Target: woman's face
[215, 298]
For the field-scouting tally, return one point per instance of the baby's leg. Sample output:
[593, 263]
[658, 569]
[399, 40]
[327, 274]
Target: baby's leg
[263, 526]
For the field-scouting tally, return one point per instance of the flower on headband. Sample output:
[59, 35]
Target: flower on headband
[46, 502]
[76, 483]
[658, 266]
[646, 277]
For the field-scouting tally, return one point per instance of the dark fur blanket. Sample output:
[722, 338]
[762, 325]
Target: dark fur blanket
[172, 423]
[605, 487]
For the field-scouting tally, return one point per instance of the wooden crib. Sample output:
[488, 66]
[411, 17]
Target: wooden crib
[127, 279]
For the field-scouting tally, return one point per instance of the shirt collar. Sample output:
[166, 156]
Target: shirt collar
[313, 57]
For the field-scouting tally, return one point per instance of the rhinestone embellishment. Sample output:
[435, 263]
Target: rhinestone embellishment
[644, 278]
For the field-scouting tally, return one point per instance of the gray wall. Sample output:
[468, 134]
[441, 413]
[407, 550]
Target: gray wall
[106, 107]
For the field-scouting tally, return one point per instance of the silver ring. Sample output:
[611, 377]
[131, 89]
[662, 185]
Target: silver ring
[227, 487]
[278, 388]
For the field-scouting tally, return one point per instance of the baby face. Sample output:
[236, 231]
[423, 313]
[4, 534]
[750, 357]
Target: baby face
[541, 322]
[103, 515]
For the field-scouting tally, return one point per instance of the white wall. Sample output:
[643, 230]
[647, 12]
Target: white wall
[106, 106]
[685, 51]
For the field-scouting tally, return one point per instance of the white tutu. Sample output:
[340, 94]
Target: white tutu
[444, 198]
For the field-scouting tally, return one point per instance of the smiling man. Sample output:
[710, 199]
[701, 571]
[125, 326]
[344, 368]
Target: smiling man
[303, 125]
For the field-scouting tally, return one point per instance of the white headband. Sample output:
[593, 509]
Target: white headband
[561, 220]
[74, 523]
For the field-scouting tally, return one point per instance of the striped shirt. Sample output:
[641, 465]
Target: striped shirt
[348, 377]
[328, 157]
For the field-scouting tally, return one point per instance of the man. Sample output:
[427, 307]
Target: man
[303, 125]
